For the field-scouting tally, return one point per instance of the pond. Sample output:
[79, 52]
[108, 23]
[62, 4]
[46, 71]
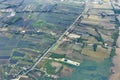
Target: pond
[18, 54]
[13, 61]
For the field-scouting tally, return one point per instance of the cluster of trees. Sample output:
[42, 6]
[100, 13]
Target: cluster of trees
[94, 47]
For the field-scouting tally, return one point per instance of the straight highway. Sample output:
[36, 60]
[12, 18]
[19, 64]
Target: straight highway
[59, 39]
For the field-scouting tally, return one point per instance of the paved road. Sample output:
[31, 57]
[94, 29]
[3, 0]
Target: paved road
[41, 58]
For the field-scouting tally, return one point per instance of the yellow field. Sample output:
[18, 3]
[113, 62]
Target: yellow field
[91, 40]
[101, 53]
[103, 6]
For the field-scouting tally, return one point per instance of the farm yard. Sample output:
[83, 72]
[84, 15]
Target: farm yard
[28, 29]
[90, 42]
[57, 39]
